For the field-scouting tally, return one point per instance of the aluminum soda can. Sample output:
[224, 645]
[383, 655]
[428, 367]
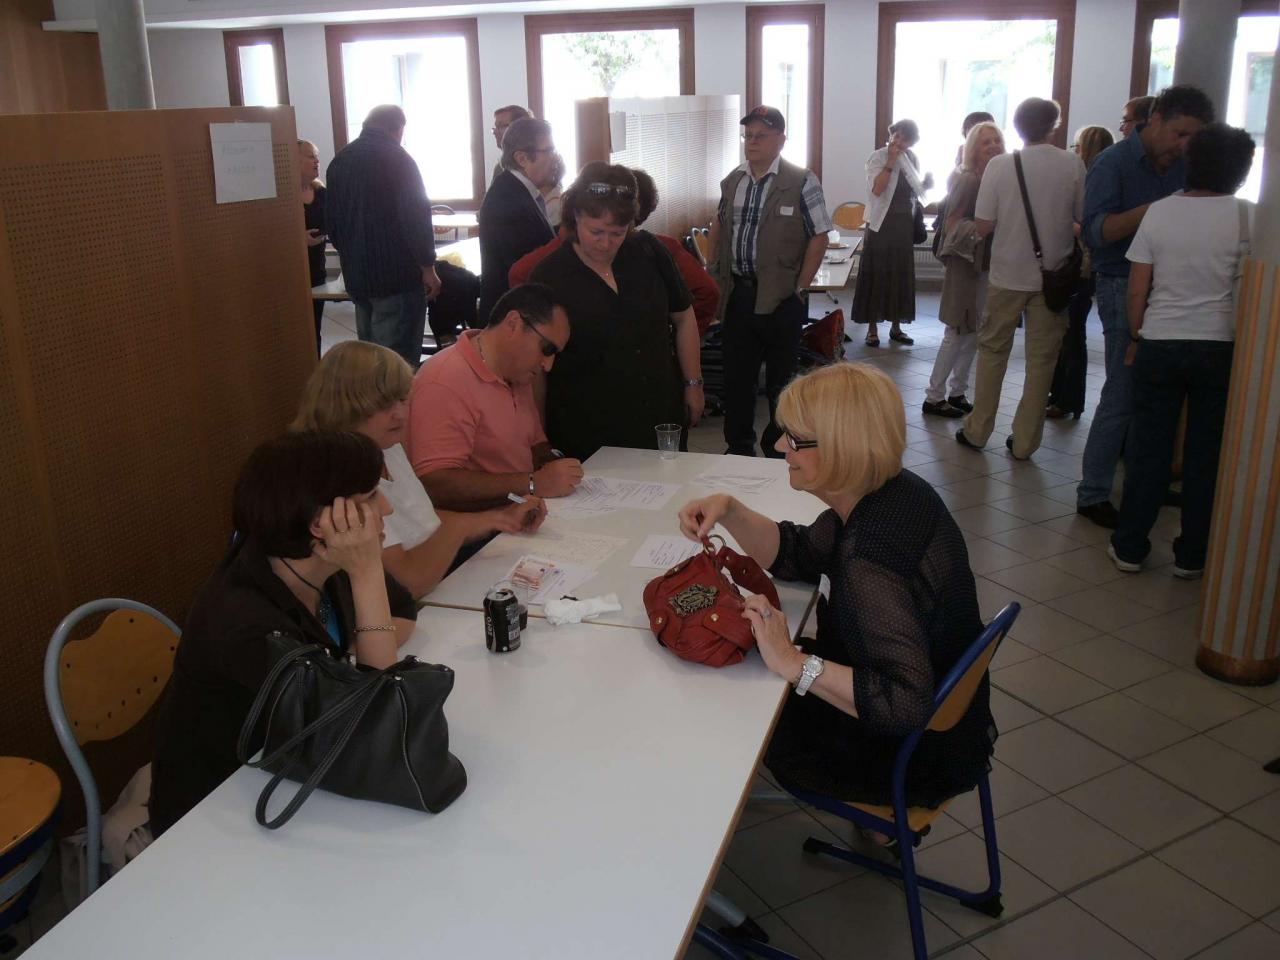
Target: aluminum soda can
[501, 620]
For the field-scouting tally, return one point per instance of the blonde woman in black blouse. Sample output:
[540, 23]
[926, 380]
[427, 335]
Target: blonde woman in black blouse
[901, 608]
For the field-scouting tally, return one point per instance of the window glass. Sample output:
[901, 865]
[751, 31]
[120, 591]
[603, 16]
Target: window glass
[945, 69]
[258, 75]
[413, 72]
[784, 83]
[610, 63]
[1250, 92]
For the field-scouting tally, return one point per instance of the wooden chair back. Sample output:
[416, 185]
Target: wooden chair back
[111, 678]
[702, 240]
[850, 216]
[954, 704]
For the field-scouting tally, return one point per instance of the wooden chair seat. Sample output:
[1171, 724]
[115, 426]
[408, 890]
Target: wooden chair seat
[29, 793]
[917, 817]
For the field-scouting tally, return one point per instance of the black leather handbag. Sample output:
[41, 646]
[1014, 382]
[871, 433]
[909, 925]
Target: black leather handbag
[1058, 285]
[371, 735]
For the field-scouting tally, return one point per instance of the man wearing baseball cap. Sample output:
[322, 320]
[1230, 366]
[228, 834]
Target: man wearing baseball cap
[767, 243]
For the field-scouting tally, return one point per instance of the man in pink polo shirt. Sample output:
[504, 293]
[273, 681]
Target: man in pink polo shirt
[474, 431]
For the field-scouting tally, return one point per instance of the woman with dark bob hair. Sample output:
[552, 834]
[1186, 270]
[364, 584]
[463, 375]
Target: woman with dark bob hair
[306, 563]
[618, 377]
[1185, 261]
[901, 609]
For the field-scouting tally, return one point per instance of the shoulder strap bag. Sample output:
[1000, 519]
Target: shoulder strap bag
[1058, 285]
[370, 735]
[695, 608]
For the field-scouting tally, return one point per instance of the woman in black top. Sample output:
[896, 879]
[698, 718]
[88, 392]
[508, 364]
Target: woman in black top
[307, 564]
[313, 217]
[618, 377]
[900, 610]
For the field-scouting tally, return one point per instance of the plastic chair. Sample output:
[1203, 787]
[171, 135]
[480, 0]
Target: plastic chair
[850, 215]
[29, 793]
[702, 241]
[907, 825]
[97, 688]
[444, 233]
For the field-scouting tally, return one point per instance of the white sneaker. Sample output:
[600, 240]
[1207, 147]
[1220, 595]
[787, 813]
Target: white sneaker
[1124, 566]
[1182, 573]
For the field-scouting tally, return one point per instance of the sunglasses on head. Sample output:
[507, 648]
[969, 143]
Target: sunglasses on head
[795, 443]
[604, 189]
[549, 349]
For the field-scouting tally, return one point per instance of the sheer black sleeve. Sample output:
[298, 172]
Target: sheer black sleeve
[805, 552]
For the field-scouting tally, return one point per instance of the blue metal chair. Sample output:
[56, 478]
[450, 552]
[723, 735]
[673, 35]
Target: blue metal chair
[29, 795]
[99, 687]
[907, 825]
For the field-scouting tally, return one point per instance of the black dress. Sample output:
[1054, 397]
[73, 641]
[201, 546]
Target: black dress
[313, 217]
[618, 377]
[886, 289]
[902, 609]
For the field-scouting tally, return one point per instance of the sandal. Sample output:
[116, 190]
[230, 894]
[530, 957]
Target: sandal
[872, 341]
[901, 337]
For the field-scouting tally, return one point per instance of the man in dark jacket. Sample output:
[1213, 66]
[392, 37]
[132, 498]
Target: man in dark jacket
[379, 219]
[513, 217]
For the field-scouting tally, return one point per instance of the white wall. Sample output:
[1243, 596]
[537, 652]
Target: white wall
[189, 69]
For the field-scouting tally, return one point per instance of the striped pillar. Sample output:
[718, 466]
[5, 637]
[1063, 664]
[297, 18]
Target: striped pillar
[1240, 627]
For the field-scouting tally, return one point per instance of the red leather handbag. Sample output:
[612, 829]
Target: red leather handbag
[695, 608]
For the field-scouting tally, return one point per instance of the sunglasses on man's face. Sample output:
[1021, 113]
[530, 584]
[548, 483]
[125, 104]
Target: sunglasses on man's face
[796, 444]
[549, 349]
[604, 189]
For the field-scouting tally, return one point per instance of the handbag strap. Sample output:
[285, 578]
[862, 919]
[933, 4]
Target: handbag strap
[322, 768]
[264, 691]
[1026, 205]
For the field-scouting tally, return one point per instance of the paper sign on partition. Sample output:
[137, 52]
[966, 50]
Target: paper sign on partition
[243, 165]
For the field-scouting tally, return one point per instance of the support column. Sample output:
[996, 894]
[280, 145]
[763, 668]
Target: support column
[1206, 46]
[126, 61]
[1240, 626]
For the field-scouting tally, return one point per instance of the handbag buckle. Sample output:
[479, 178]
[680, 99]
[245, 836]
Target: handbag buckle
[693, 598]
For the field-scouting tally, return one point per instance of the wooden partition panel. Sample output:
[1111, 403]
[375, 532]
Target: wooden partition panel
[149, 338]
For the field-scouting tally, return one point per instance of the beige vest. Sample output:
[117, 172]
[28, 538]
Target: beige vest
[780, 240]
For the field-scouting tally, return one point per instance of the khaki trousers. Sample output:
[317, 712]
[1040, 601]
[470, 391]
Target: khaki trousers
[1043, 335]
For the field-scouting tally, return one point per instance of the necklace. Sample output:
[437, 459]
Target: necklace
[322, 612]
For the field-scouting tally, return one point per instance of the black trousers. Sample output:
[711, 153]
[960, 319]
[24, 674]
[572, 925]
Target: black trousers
[1165, 373]
[1067, 390]
[751, 339]
[317, 310]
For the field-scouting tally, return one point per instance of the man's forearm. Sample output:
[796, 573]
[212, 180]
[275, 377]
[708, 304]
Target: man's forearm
[1117, 226]
[813, 254]
[466, 491]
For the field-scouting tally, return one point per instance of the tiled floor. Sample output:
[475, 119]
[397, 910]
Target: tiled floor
[1133, 816]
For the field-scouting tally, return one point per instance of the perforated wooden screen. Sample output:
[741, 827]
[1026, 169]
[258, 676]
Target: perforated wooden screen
[150, 339]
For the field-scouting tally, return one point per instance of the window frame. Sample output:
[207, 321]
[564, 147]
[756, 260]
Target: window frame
[336, 34]
[233, 40]
[536, 26]
[814, 17]
[914, 11]
[1147, 12]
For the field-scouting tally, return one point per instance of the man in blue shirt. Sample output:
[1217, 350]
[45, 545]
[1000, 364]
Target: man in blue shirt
[379, 219]
[1123, 182]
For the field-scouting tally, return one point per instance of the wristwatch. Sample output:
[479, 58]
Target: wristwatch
[811, 671]
[693, 383]
[531, 484]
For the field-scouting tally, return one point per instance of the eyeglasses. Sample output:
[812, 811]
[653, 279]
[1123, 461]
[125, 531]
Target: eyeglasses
[758, 137]
[797, 444]
[549, 349]
[604, 189]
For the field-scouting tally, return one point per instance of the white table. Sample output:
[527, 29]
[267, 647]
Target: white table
[605, 777]
[466, 586]
[838, 263]
[463, 253]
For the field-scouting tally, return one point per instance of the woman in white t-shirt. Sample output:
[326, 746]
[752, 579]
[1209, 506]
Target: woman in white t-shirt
[1186, 259]
[363, 387]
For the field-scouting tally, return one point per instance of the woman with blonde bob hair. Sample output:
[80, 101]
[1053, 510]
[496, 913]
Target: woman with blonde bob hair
[900, 609]
[364, 388]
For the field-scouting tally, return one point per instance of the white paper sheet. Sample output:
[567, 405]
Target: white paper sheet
[587, 549]
[600, 495]
[558, 579]
[739, 483]
[659, 552]
[243, 165]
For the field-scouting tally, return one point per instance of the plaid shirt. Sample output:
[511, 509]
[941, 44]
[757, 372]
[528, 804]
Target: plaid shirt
[748, 203]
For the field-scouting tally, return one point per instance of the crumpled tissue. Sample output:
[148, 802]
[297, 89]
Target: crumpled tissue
[565, 610]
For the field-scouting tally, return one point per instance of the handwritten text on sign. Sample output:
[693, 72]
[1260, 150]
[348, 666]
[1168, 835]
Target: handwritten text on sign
[243, 167]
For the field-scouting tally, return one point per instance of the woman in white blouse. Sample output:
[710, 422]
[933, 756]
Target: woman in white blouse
[363, 387]
[887, 275]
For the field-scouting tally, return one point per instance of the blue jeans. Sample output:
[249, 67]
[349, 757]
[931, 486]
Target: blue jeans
[395, 322]
[1109, 431]
[1165, 373]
